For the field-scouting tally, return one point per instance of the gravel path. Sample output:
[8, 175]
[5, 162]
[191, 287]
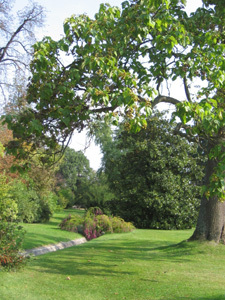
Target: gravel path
[54, 247]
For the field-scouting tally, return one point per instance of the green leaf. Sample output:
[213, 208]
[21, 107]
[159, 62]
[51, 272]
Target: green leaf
[1, 150]
[66, 28]
[66, 121]
[148, 110]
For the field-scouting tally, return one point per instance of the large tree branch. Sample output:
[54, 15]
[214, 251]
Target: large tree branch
[186, 88]
[165, 99]
[187, 132]
[104, 109]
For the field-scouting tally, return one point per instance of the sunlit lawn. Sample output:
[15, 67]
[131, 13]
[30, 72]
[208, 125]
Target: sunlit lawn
[142, 265]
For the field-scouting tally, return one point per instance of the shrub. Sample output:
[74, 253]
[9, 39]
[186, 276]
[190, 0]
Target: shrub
[47, 206]
[93, 211]
[11, 235]
[90, 231]
[26, 200]
[119, 225]
[65, 197]
[33, 206]
[104, 224]
[95, 224]
[73, 223]
[11, 238]
[8, 207]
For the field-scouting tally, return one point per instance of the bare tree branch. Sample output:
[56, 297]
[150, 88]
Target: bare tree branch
[15, 44]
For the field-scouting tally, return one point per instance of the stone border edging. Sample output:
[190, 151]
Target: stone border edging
[53, 247]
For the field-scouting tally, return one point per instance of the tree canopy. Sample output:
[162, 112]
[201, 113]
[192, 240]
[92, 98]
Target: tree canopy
[119, 63]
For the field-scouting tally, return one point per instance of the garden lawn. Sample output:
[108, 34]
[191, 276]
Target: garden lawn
[49, 233]
[141, 265]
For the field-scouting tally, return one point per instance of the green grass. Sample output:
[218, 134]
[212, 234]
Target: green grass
[49, 233]
[141, 265]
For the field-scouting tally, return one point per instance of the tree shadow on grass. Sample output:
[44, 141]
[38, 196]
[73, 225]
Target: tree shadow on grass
[148, 250]
[72, 263]
[102, 258]
[114, 258]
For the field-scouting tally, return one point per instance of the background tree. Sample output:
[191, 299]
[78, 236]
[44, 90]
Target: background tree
[155, 175]
[74, 171]
[78, 184]
[17, 36]
[123, 59]
[99, 193]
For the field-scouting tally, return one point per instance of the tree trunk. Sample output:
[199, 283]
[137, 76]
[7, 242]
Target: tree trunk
[210, 224]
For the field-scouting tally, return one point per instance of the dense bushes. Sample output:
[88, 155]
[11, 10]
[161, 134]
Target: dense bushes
[119, 225]
[95, 224]
[33, 206]
[8, 207]
[11, 238]
[11, 235]
[73, 223]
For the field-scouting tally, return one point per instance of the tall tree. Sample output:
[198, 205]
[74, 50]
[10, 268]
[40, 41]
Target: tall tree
[155, 175]
[123, 59]
[73, 174]
[77, 182]
[17, 36]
